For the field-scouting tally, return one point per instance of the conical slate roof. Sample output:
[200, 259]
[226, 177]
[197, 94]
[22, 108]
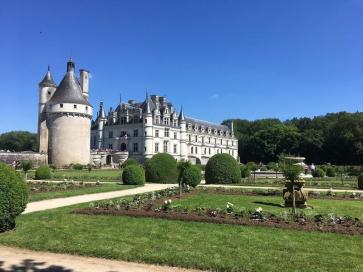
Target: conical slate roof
[47, 80]
[69, 91]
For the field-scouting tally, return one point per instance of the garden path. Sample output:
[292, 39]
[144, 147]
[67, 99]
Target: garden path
[67, 201]
[15, 259]
[277, 188]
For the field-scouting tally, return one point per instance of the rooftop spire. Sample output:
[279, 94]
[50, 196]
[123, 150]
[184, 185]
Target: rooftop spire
[102, 113]
[148, 110]
[181, 114]
[47, 80]
[70, 65]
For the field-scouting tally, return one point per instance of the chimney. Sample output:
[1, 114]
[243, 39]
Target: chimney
[84, 80]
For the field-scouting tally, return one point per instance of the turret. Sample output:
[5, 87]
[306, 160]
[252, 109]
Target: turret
[47, 88]
[69, 115]
[183, 136]
[101, 122]
[148, 128]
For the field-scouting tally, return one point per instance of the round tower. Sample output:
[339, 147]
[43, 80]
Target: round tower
[148, 128]
[69, 117]
[47, 88]
[183, 136]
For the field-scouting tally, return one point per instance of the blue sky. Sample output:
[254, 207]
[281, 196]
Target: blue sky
[220, 59]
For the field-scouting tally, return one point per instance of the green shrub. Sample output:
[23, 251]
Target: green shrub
[161, 168]
[133, 175]
[360, 182]
[292, 171]
[245, 171]
[77, 166]
[252, 166]
[13, 197]
[318, 173]
[192, 176]
[273, 166]
[330, 172]
[181, 166]
[26, 166]
[129, 161]
[263, 168]
[43, 172]
[222, 168]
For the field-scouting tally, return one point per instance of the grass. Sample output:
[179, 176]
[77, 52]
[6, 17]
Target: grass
[353, 208]
[187, 244]
[84, 175]
[108, 187]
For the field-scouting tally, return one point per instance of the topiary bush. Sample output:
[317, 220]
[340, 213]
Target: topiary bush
[161, 168]
[360, 182]
[192, 176]
[252, 166]
[13, 197]
[318, 173]
[77, 166]
[181, 166]
[330, 172]
[245, 171]
[133, 175]
[129, 161]
[222, 168]
[43, 172]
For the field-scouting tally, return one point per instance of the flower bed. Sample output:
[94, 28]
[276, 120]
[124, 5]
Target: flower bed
[42, 187]
[160, 205]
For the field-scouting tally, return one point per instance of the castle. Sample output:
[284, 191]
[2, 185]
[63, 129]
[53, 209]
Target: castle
[134, 129]
[141, 129]
[65, 116]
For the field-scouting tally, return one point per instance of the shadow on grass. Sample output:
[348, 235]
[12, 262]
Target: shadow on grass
[29, 265]
[268, 204]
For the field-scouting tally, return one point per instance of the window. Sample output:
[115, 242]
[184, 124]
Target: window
[191, 150]
[166, 121]
[166, 132]
[156, 147]
[209, 140]
[175, 135]
[221, 141]
[48, 92]
[209, 151]
[157, 133]
[123, 120]
[215, 141]
[74, 106]
[175, 149]
[202, 140]
[61, 105]
[136, 147]
[165, 147]
[205, 151]
[86, 108]
[110, 134]
[196, 138]
[109, 146]
[190, 138]
[136, 132]
[196, 150]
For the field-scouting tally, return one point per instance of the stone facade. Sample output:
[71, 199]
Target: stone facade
[143, 129]
[11, 157]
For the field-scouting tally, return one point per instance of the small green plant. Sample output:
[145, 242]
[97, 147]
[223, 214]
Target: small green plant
[26, 166]
[318, 173]
[360, 182]
[77, 166]
[43, 172]
[192, 176]
[245, 171]
[133, 175]
[252, 166]
[330, 172]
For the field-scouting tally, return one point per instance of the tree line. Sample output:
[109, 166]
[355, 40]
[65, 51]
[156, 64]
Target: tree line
[335, 138]
[19, 141]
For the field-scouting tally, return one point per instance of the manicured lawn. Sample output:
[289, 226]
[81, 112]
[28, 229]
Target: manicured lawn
[352, 208]
[106, 187]
[188, 244]
[85, 175]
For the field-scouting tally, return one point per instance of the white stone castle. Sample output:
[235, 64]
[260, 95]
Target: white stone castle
[141, 129]
[134, 129]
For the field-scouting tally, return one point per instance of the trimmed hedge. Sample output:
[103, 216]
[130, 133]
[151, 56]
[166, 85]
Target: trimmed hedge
[43, 172]
[192, 176]
[360, 182]
[222, 168]
[77, 166]
[129, 161]
[318, 173]
[13, 197]
[133, 175]
[330, 172]
[161, 168]
[245, 171]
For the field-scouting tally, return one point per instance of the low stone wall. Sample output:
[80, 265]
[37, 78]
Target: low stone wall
[36, 158]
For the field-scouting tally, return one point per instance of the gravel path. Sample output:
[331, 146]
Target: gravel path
[14, 259]
[72, 200]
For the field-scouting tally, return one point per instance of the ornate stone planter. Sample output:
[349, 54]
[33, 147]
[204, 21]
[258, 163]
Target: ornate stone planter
[300, 195]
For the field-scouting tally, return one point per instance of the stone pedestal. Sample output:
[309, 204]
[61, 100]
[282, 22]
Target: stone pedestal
[300, 195]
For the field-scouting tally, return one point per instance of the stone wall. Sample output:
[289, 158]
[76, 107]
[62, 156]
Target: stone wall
[36, 158]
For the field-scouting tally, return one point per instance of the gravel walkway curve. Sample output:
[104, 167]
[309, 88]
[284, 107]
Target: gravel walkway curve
[15, 259]
[68, 201]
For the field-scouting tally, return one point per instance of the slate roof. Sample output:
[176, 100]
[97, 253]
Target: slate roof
[47, 80]
[206, 124]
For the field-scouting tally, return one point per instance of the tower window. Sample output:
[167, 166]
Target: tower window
[74, 106]
[48, 92]
[136, 132]
[136, 147]
[86, 108]
[61, 105]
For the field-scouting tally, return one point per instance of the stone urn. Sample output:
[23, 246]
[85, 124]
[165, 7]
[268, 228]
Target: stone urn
[300, 195]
